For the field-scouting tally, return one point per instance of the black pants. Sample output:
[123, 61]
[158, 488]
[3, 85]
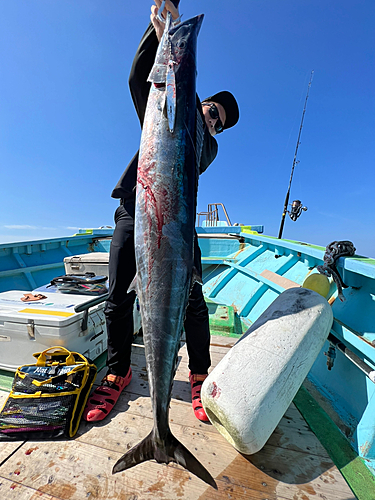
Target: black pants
[119, 307]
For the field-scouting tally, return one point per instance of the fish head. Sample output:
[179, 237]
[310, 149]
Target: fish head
[177, 45]
[183, 40]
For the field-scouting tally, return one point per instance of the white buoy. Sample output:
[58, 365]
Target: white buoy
[248, 392]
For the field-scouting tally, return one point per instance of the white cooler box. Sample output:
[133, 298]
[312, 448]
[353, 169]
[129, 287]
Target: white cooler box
[28, 327]
[94, 262]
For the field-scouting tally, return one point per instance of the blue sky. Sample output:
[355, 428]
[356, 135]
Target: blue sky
[68, 127]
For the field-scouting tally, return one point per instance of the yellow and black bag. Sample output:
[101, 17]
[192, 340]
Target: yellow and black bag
[48, 398]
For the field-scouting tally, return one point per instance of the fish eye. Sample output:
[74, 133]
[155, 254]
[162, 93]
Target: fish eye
[180, 34]
[181, 44]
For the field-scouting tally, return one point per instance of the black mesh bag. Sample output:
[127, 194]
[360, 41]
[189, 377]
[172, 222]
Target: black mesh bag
[48, 398]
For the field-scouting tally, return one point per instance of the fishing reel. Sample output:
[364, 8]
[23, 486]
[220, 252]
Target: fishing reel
[296, 210]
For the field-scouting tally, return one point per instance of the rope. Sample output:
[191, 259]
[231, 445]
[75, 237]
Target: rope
[333, 252]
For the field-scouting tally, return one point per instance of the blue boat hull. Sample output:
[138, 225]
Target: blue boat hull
[246, 271]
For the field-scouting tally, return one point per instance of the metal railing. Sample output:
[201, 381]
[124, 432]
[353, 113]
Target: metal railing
[212, 214]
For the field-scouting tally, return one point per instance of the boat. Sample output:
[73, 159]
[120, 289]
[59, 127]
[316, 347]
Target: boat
[323, 447]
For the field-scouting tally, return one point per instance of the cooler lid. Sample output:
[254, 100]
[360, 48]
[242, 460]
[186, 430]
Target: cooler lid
[56, 310]
[88, 258]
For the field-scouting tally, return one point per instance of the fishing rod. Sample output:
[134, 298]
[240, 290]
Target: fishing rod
[297, 206]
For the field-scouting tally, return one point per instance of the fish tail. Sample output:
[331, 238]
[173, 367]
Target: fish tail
[165, 451]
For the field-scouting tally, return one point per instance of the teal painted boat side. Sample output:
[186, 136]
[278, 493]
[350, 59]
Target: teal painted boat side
[247, 271]
[254, 272]
[30, 264]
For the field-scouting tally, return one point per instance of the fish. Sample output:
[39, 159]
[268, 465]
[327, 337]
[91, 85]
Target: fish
[165, 210]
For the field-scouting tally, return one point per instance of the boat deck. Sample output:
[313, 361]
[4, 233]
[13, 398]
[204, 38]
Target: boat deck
[292, 465]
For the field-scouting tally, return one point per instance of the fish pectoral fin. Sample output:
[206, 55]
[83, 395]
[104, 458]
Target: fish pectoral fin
[171, 95]
[133, 285]
[158, 74]
[196, 277]
[165, 108]
[168, 450]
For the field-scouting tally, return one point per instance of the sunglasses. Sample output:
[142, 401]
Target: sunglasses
[214, 113]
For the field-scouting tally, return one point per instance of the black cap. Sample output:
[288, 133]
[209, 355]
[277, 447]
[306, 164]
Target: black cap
[229, 103]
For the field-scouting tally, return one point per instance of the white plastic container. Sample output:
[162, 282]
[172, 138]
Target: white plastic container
[248, 392]
[94, 262]
[28, 327]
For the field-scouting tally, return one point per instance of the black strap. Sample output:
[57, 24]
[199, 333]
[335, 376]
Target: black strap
[333, 252]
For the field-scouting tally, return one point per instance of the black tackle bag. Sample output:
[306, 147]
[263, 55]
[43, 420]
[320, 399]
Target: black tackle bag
[47, 398]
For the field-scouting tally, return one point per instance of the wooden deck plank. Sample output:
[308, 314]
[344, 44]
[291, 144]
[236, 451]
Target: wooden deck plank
[285, 473]
[292, 465]
[292, 432]
[204, 441]
[16, 491]
[74, 470]
[6, 448]
[279, 280]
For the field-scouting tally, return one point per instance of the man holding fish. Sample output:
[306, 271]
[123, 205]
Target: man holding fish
[215, 114]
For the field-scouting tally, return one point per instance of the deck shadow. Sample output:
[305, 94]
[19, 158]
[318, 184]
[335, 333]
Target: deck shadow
[181, 391]
[288, 466]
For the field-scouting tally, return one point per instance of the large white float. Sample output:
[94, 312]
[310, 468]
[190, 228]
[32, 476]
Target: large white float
[248, 392]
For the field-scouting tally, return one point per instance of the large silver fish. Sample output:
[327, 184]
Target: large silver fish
[164, 232]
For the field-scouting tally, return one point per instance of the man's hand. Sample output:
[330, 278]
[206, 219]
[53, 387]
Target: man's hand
[158, 25]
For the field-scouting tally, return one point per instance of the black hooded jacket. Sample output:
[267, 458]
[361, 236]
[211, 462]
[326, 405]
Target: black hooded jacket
[139, 89]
